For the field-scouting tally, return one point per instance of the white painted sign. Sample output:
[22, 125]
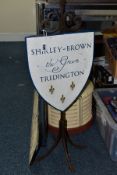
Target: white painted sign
[60, 65]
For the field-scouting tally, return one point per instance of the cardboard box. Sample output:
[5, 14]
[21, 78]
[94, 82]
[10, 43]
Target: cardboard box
[110, 57]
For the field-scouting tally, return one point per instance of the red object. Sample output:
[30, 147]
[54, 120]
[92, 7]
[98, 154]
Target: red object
[106, 100]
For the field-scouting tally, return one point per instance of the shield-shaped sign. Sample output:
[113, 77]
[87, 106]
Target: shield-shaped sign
[60, 66]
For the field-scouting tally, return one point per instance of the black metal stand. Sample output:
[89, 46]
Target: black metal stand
[65, 138]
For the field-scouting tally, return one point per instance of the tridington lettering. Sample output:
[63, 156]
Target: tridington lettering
[61, 76]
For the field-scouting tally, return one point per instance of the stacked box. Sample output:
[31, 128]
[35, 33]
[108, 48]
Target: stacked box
[106, 122]
[111, 53]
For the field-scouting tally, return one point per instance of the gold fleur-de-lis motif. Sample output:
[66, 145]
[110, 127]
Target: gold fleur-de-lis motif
[72, 86]
[62, 98]
[51, 90]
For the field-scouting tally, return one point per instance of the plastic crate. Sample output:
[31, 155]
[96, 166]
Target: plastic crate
[107, 124]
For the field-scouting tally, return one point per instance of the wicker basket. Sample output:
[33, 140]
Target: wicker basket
[79, 115]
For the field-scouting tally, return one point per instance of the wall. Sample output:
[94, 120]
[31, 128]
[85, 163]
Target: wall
[17, 19]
